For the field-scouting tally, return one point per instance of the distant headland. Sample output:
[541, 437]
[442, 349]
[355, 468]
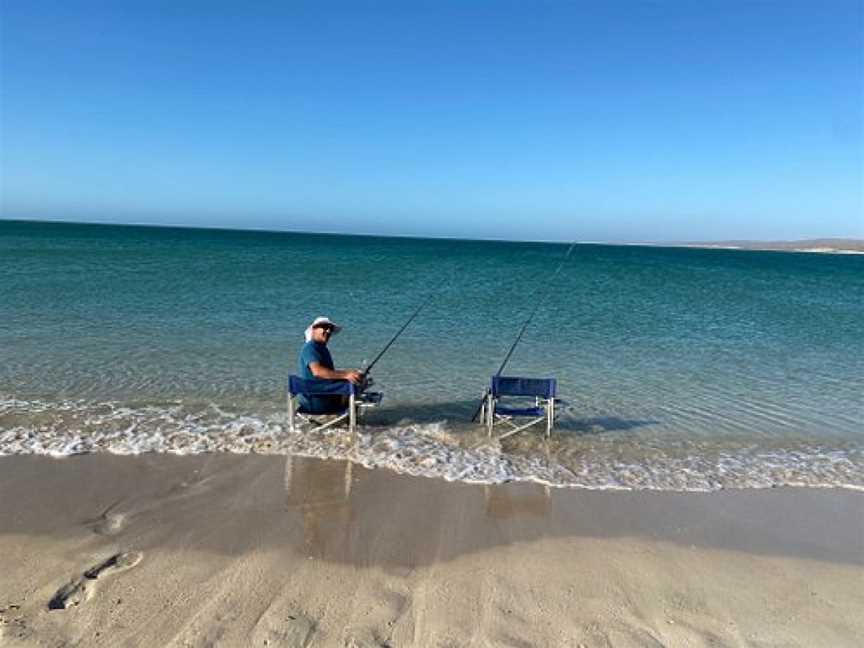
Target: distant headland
[825, 245]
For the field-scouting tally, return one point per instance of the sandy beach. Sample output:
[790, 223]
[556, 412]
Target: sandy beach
[224, 550]
[431, 324]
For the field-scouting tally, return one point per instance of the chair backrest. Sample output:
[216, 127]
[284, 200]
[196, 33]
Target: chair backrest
[317, 387]
[514, 386]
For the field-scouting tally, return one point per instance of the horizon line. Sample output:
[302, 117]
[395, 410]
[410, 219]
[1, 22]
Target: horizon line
[265, 230]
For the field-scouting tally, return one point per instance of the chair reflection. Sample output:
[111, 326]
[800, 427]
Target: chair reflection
[515, 500]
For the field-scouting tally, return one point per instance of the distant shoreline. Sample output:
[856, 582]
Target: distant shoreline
[821, 245]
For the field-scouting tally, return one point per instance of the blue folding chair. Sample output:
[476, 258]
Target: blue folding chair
[499, 406]
[351, 402]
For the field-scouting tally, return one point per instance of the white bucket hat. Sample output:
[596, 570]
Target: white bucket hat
[319, 321]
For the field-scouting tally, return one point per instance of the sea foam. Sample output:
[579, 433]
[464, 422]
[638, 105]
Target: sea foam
[436, 449]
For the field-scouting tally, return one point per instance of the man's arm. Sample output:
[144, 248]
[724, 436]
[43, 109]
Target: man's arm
[320, 371]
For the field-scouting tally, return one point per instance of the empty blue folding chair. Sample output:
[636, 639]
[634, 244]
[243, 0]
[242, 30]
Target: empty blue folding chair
[350, 402]
[505, 404]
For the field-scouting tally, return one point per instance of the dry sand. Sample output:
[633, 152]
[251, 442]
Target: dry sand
[264, 551]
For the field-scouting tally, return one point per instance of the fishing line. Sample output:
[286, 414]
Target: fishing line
[528, 321]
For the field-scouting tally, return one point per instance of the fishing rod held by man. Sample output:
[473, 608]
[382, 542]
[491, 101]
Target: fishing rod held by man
[398, 333]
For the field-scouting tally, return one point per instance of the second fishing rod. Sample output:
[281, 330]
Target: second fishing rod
[527, 322]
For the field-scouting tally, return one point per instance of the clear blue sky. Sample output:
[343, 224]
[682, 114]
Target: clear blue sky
[615, 120]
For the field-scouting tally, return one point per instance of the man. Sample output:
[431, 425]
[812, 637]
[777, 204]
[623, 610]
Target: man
[317, 363]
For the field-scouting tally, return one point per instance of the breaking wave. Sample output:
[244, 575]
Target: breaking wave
[437, 450]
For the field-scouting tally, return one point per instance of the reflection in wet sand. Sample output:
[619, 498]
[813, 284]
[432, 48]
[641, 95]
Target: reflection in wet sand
[321, 491]
[347, 518]
[515, 500]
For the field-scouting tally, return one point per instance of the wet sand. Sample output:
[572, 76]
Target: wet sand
[228, 550]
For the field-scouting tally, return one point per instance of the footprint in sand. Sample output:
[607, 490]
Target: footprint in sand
[294, 631]
[80, 589]
[108, 523]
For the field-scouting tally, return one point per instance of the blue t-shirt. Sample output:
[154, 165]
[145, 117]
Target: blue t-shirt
[316, 352]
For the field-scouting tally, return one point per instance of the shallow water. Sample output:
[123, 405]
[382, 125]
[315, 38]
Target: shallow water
[682, 369]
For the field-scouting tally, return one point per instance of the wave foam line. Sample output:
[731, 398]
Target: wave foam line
[428, 450]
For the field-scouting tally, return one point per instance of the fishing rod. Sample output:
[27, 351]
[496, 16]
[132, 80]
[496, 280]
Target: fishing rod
[527, 322]
[399, 332]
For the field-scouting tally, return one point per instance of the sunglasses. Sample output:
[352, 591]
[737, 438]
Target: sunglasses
[325, 329]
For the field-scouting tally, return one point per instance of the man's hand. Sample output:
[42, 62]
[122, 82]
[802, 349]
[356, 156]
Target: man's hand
[354, 376]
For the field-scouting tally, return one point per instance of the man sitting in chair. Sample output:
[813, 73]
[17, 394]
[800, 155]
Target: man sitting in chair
[317, 363]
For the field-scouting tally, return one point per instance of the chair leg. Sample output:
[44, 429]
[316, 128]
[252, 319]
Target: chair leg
[352, 414]
[290, 412]
[516, 429]
[348, 466]
[331, 423]
[490, 414]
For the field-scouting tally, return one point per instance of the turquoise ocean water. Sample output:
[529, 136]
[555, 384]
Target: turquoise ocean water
[683, 369]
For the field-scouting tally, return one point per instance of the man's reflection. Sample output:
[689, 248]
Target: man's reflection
[321, 491]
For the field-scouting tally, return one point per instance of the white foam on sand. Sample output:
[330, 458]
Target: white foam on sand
[430, 450]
